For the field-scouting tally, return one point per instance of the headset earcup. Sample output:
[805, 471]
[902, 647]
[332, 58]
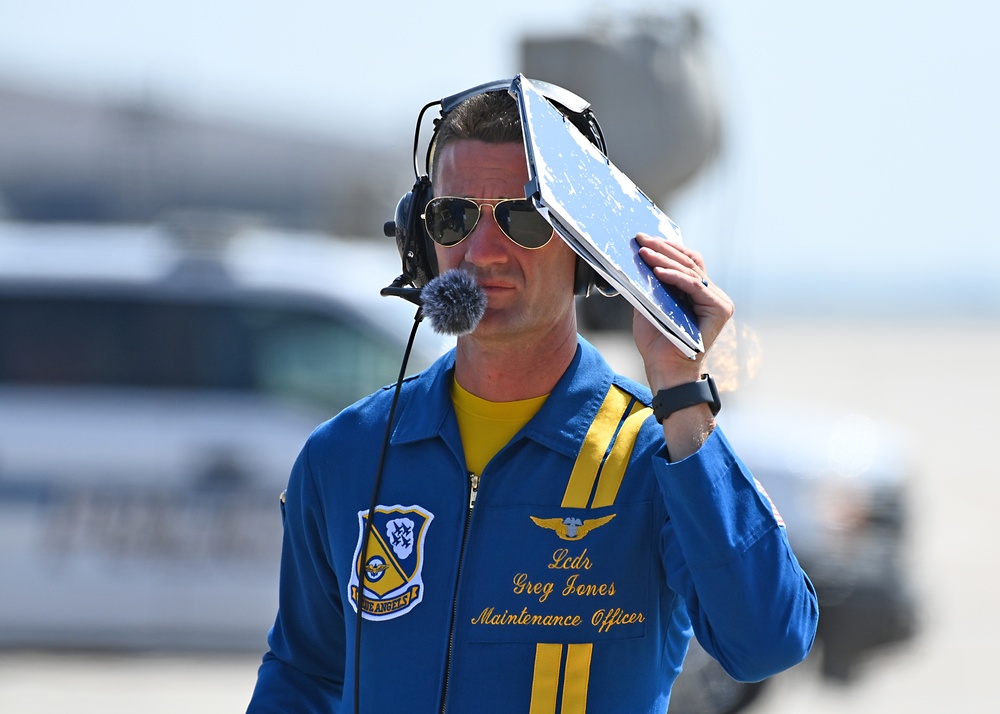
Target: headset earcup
[588, 281]
[415, 248]
[428, 265]
[583, 281]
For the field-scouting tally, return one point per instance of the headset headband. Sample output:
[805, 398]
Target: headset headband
[573, 103]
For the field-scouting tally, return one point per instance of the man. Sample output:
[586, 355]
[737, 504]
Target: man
[541, 543]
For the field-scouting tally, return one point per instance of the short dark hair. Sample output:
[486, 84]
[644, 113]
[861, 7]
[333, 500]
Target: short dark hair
[491, 117]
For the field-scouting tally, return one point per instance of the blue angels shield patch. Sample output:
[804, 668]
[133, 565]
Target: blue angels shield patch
[392, 566]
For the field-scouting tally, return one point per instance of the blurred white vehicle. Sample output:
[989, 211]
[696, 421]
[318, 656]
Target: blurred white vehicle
[156, 385]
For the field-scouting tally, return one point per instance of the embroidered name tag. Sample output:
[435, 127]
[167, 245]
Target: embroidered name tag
[576, 576]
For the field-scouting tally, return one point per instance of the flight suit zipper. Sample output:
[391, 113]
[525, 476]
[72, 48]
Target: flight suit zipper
[473, 492]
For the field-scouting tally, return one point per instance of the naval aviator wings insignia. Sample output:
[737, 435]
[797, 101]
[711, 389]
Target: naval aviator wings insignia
[571, 528]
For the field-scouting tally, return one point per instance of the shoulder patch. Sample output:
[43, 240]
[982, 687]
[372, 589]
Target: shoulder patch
[774, 509]
[392, 567]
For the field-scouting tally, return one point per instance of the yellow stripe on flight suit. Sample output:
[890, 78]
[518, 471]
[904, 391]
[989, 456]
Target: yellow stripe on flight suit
[595, 448]
[545, 682]
[548, 670]
[574, 699]
[602, 460]
[617, 461]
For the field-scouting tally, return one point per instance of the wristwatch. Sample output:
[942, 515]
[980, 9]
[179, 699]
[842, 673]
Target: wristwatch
[668, 401]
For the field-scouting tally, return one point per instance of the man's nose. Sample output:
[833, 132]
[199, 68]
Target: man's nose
[487, 243]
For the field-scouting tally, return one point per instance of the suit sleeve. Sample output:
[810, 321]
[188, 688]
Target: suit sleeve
[303, 670]
[726, 552]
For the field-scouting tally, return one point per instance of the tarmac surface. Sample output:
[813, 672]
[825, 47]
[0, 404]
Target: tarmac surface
[940, 386]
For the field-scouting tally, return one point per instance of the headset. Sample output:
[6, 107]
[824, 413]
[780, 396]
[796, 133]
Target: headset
[416, 249]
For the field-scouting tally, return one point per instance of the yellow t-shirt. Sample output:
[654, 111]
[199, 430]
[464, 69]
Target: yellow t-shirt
[487, 426]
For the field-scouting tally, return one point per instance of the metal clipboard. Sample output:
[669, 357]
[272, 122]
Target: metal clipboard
[597, 210]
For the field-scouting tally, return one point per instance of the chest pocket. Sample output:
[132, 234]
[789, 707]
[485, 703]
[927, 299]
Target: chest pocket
[578, 572]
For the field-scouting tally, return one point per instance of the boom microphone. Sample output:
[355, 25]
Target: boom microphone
[454, 303]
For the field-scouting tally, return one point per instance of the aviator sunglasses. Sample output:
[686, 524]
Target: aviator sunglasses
[449, 219]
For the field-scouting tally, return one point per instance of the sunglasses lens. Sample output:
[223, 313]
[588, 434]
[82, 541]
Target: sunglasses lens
[449, 220]
[523, 224]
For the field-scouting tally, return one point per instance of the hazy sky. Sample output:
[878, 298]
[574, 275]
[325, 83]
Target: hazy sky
[862, 151]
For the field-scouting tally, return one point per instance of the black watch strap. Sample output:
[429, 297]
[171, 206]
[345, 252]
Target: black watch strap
[668, 401]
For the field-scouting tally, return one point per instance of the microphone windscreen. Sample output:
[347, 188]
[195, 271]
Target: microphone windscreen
[454, 303]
